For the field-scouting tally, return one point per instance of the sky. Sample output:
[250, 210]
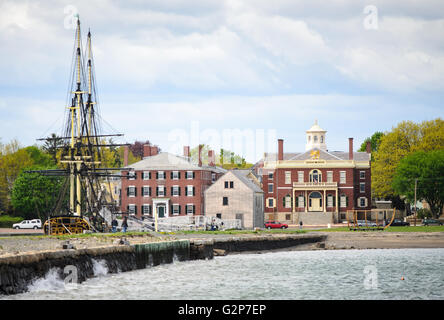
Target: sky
[232, 74]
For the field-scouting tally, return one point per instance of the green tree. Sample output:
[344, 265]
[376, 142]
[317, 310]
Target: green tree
[52, 146]
[407, 137]
[427, 168]
[33, 194]
[375, 141]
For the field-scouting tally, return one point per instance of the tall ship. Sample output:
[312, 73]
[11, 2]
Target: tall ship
[83, 203]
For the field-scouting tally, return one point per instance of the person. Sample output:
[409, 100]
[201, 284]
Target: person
[114, 224]
[124, 224]
[300, 224]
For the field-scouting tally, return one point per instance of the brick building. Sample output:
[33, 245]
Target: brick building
[172, 184]
[317, 186]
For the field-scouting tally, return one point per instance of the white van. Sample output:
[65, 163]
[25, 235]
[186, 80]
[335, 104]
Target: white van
[28, 224]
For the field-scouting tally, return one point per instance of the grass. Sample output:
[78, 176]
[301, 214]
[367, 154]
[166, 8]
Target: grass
[390, 229]
[272, 231]
[7, 221]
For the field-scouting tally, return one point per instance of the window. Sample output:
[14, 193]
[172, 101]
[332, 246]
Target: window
[342, 177]
[322, 139]
[300, 176]
[132, 209]
[225, 201]
[175, 175]
[146, 209]
[146, 175]
[315, 176]
[362, 174]
[362, 187]
[287, 201]
[132, 192]
[191, 191]
[329, 176]
[219, 215]
[146, 191]
[190, 208]
[160, 175]
[270, 175]
[301, 202]
[287, 177]
[270, 187]
[315, 138]
[160, 191]
[229, 184]
[175, 191]
[175, 208]
[213, 177]
[270, 202]
[329, 201]
[132, 175]
[189, 175]
[344, 201]
[362, 202]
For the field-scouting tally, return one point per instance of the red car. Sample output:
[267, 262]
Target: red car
[275, 225]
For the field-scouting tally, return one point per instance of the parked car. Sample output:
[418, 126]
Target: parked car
[363, 223]
[397, 222]
[275, 225]
[428, 222]
[28, 224]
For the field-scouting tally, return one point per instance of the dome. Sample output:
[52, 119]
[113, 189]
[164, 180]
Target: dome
[316, 128]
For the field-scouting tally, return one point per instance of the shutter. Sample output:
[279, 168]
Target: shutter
[194, 175]
[172, 190]
[157, 175]
[194, 191]
[127, 191]
[178, 175]
[297, 202]
[178, 190]
[180, 209]
[127, 208]
[149, 191]
[171, 175]
[135, 191]
[194, 209]
[135, 175]
[157, 191]
[346, 201]
[149, 175]
[135, 209]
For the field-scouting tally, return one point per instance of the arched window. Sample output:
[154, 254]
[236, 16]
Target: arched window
[322, 139]
[315, 176]
[315, 138]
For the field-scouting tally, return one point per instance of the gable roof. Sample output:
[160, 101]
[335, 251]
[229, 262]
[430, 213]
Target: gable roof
[243, 176]
[169, 161]
[324, 155]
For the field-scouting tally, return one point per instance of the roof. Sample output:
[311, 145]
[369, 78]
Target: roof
[316, 128]
[168, 161]
[242, 175]
[324, 155]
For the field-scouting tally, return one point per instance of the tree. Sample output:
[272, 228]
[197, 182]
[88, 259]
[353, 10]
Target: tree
[407, 137]
[34, 195]
[427, 168]
[375, 141]
[137, 148]
[52, 146]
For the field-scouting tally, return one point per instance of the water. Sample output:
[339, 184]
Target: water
[338, 274]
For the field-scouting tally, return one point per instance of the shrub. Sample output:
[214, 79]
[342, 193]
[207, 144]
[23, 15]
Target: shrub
[424, 213]
[7, 221]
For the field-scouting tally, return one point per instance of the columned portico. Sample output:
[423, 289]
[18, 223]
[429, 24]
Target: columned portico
[315, 195]
[162, 207]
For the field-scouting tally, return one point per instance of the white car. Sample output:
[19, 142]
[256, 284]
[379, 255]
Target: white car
[28, 224]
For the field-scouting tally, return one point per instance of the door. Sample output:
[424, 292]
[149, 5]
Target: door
[315, 201]
[161, 211]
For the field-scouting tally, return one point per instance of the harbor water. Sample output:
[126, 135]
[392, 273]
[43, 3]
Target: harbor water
[286, 275]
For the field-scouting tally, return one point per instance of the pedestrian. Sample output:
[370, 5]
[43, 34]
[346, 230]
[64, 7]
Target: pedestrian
[300, 225]
[114, 224]
[124, 224]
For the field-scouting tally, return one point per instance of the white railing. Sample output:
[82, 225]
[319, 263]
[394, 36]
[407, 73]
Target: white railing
[315, 184]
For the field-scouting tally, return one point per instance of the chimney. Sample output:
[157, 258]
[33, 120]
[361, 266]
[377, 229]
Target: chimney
[211, 160]
[154, 150]
[125, 156]
[368, 147]
[280, 149]
[146, 150]
[350, 148]
[200, 155]
[186, 152]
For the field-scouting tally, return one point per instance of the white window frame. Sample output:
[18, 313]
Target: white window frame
[268, 202]
[287, 177]
[175, 175]
[300, 176]
[132, 175]
[175, 205]
[272, 188]
[342, 176]
[362, 187]
[133, 211]
[133, 193]
[146, 175]
[343, 201]
[287, 201]
[143, 191]
[159, 188]
[189, 205]
[301, 201]
[175, 189]
[329, 201]
[360, 200]
[160, 176]
[146, 206]
[361, 174]
[189, 191]
[329, 176]
[189, 175]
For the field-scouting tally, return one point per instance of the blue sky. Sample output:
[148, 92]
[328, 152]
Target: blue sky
[168, 69]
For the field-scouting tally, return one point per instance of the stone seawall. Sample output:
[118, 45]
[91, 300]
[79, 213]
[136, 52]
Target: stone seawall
[20, 271]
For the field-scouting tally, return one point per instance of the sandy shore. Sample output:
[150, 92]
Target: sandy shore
[334, 240]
